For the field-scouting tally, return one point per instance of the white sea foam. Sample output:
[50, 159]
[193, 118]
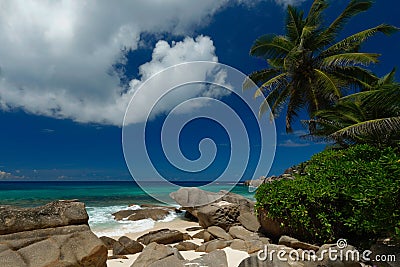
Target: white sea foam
[170, 217]
[102, 222]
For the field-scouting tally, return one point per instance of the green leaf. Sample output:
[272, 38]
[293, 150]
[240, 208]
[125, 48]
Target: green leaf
[268, 46]
[281, 78]
[259, 76]
[352, 42]
[328, 83]
[347, 59]
[352, 9]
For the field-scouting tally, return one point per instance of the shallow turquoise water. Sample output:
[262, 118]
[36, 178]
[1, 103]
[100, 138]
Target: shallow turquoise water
[101, 199]
[91, 193]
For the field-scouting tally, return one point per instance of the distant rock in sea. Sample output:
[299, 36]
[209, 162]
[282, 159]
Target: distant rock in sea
[263, 180]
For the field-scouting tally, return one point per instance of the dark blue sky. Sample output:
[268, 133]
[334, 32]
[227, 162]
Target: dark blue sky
[41, 147]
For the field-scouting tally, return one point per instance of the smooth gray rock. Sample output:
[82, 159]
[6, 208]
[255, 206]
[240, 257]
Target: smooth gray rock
[207, 236]
[222, 214]
[242, 233]
[250, 246]
[155, 252]
[53, 214]
[108, 241]
[55, 234]
[334, 263]
[214, 259]
[185, 246]
[294, 243]
[249, 221]
[213, 245]
[72, 245]
[170, 261]
[186, 236]
[194, 197]
[125, 246]
[270, 227]
[135, 215]
[255, 182]
[254, 246]
[122, 214]
[238, 244]
[162, 236]
[199, 235]
[218, 232]
[245, 204]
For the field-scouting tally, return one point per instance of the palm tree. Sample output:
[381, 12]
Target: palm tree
[307, 68]
[367, 117]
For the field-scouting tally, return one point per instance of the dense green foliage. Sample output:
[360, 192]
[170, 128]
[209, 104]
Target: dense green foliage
[308, 67]
[351, 193]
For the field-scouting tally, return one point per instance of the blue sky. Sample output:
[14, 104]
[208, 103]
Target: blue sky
[66, 77]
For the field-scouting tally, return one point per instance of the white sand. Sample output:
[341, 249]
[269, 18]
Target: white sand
[234, 256]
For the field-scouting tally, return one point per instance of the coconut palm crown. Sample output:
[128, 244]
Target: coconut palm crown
[371, 117]
[307, 67]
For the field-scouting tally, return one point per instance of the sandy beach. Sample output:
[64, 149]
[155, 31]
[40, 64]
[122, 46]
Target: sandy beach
[234, 257]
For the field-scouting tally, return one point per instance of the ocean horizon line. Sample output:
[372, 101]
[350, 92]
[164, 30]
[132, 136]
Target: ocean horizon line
[112, 181]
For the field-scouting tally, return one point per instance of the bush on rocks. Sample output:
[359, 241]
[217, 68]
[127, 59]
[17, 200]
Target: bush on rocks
[352, 193]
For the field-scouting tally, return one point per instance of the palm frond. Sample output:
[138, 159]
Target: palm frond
[276, 62]
[294, 23]
[307, 32]
[353, 8]
[259, 76]
[318, 41]
[292, 59]
[270, 84]
[309, 70]
[349, 59]
[354, 41]
[270, 46]
[320, 129]
[274, 98]
[315, 13]
[345, 113]
[388, 78]
[376, 127]
[355, 75]
[385, 99]
[328, 83]
[277, 103]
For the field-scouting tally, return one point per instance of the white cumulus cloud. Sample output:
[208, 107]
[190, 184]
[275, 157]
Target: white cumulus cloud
[166, 55]
[291, 143]
[6, 175]
[57, 57]
[289, 2]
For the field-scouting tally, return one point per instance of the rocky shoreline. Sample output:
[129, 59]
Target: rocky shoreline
[58, 234]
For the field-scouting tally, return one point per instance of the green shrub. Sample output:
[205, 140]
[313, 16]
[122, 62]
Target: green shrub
[351, 193]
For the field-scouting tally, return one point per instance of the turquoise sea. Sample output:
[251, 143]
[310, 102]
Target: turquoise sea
[101, 199]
